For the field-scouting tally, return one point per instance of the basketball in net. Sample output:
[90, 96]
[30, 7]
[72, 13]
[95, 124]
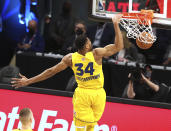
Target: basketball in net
[138, 26]
[144, 41]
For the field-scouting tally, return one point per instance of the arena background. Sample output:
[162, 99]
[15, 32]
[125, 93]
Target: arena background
[120, 114]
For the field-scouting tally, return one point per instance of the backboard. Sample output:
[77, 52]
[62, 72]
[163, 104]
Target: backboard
[103, 10]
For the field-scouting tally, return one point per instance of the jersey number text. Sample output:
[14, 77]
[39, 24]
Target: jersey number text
[89, 69]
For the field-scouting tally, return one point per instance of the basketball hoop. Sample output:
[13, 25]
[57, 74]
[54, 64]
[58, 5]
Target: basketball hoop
[138, 24]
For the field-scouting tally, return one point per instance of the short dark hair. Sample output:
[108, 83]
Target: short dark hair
[80, 41]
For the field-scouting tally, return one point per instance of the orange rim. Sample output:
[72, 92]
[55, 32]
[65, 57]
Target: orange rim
[143, 17]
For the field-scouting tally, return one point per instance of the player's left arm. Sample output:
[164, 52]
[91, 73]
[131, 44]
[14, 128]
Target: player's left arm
[152, 85]
[23, 81]
[111, 49]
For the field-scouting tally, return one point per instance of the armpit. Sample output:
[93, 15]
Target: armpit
[68, 59]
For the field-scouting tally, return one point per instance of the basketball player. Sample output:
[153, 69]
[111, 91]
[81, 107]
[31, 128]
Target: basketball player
[89, 98]
[26, 118]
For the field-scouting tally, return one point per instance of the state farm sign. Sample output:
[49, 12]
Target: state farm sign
[54, 113]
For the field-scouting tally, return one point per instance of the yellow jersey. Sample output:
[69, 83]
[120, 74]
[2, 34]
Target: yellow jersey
[22, 130]
[88, 73]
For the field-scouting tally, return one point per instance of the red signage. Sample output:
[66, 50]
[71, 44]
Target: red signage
[121, 6]
[54, 113]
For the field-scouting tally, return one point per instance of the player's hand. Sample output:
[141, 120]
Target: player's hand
[19, 82]
[116, 18]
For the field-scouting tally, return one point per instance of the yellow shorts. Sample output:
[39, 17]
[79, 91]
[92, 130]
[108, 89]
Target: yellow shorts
[88, 106]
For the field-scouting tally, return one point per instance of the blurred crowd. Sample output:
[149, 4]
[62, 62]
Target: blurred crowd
[60, 33]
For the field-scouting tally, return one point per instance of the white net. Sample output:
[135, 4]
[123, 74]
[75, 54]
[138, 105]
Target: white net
[136, 28]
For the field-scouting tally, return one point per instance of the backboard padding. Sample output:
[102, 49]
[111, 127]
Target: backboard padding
[112, 7]
[169, 9]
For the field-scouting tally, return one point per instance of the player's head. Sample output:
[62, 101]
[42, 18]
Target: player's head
[26, 116]
[82, 43]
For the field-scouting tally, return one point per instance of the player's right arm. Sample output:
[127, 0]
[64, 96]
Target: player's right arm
[111, 49]
[23, 81]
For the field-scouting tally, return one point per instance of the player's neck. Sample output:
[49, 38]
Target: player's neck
[82, 52]
[26, 127]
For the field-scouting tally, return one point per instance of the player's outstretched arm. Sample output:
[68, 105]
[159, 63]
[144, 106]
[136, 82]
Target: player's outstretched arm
[118, 44]
[23, 81]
